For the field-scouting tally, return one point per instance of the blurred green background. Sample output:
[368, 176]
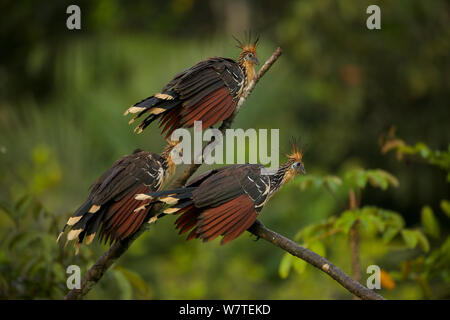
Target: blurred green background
[341, 88]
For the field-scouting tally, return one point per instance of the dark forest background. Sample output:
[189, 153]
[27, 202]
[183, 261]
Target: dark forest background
[359, 100]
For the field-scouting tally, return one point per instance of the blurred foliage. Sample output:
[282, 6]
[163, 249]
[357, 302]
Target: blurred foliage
[338, 85]
[432, 265]
[435, 157]
[32, 265]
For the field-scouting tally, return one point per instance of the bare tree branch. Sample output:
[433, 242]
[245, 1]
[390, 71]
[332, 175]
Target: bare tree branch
[259, 230]
[96, 272]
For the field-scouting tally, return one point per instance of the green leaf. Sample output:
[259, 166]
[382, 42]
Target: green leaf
[392, 218]
[299, 265]
[370, 216]
[389, 234]
[136, 281]
[445, 206]
[317, 182]
[377, 222]
[317, 247]
[333, 183]
[298, 235]
[365, 221]
[357, 178]
[6, 217]
[445, 252]
[305, 232]
[423, 149]
[429, 222]
[346, 220]
[423, 241]
[377, 180]
[410, 238]
[126, 292]
[310, 181]
[391, 179]
[306, 183]
[285, 265]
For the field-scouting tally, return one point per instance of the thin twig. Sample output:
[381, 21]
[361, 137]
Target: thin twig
[96, 272]
[354, 249]
[259, 230]
[354, 241]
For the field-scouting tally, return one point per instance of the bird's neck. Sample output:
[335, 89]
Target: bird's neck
[282, 176]
[170, 168]
[169, 163]
[249, 70]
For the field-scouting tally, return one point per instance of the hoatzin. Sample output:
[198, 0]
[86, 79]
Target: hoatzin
[111, 208]
[208, 92]
[225, 201]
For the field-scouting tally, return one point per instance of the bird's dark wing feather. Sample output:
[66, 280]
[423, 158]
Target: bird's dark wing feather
[127, 173]
[229, 183]
[196, 181]
[210, 74]
[206, 92]
[226, 203]
[111, 205]
[206, 77]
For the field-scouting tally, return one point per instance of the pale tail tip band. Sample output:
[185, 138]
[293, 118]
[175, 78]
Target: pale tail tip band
[142, 196]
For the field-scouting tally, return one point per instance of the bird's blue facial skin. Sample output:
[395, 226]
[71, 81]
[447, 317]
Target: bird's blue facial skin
[298, 166]
[252, 58]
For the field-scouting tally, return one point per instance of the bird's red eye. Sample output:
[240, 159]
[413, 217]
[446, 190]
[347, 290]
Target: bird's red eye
[296, 165]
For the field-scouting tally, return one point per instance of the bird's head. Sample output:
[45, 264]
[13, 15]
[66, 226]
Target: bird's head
[172, 151]
[169, 151]
[248, 51]
[294, 164]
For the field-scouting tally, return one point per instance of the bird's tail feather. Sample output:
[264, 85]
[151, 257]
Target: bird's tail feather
[160, 195]
[112, 222]
[76, 217]
[154, 107]
[178, 199]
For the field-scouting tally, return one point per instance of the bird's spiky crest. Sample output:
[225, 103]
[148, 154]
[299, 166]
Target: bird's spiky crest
[296, 153]
[250, 45]
[170, 145]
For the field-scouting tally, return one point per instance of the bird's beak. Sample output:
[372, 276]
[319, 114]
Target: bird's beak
[302, 170]
[255, 60]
